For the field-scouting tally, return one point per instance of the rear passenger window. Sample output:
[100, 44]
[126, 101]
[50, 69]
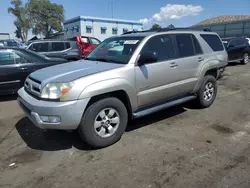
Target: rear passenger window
[163, 45]
[67, 44]
[197, 46]
[213, 41]
[57, 46]
[185, 45]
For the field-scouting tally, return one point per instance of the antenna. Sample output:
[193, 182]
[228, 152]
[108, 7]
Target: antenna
[112, 8]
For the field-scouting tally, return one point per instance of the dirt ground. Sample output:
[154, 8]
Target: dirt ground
[178, 147]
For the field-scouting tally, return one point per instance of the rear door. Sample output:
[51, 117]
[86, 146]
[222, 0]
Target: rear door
[241, 44]
[189, 57]
[57, 50]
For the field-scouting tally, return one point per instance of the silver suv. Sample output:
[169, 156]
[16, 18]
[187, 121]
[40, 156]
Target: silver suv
[124, 78]
[68, 50]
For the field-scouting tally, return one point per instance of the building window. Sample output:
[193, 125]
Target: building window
[88, 29]
[103, 30]
[114, 31]
[125, 30]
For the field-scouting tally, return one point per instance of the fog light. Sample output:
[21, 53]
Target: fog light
[50, 119]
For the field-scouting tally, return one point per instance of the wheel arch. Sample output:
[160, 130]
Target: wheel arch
[119, 88]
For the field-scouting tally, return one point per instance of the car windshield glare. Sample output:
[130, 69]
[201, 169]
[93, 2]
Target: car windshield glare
[116, 50]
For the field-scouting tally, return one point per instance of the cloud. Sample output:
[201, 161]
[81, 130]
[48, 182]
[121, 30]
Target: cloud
[173, 12]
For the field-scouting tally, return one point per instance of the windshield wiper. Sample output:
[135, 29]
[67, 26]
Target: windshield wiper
[103, 60]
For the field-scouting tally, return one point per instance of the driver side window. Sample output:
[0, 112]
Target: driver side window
[163, 46]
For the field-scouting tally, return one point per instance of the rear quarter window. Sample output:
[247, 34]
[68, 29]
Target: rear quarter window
[213, 41]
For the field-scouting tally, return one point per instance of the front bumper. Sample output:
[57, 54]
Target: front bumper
[70, 112]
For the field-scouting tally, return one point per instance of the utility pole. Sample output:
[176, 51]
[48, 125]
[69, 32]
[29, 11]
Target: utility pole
[112, 1]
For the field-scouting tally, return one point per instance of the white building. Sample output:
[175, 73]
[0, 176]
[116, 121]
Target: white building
[100, 28]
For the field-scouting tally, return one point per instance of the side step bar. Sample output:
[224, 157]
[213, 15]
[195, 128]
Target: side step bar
[163, 106]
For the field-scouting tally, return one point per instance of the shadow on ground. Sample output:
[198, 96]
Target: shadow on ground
[54, 140]
[48, 140]
[6, 98]
[231, 64]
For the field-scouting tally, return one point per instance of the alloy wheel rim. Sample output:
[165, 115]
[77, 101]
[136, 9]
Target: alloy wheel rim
[246, 58]
[107, 122]
[209, 91]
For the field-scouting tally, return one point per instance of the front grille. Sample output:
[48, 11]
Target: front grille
[35, 80]
[33, 87]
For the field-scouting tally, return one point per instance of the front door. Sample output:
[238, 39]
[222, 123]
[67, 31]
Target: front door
[155, 81]
[233, 51]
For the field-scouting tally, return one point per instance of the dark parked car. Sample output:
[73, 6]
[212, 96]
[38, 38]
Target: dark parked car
[10, 43]
[53, 48]
[238, 49]
[16, 64]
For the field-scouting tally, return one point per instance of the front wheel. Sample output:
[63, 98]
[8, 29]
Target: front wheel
[207, 92]
[104, 122]
[245, 59]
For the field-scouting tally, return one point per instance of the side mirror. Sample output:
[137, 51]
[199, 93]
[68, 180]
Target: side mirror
[147, 57]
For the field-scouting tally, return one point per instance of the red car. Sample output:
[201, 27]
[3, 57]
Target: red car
[86, 44]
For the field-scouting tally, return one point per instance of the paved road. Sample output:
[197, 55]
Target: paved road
[179, 147]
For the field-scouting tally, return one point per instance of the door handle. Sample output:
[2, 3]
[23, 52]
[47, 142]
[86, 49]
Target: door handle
[23, 68]
[173, 64]
[200, 59]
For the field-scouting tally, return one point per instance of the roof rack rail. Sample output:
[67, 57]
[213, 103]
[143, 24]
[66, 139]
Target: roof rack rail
[144, 31]
[168, 29]
[182, 28]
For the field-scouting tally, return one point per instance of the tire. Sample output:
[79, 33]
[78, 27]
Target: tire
[203, 100]
[94, 116]
[245, 59]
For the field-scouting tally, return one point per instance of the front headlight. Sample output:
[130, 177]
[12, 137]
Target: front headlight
[55, 90]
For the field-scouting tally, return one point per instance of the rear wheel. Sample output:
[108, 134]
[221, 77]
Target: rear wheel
[207, 92]
[245, 59]
[104, 122]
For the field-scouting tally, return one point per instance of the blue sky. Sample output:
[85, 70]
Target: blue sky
[143, 9]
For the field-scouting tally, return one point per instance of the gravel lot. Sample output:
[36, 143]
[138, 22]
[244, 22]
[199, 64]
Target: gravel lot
[179, 147]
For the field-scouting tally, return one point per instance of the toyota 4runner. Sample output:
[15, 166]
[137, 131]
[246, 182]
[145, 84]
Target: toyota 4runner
[125, 77]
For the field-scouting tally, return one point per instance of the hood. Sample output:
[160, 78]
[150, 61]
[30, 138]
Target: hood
[68, 72]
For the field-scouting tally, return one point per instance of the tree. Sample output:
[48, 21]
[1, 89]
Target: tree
[22, 22]
[155, 27]
[46, 17]
[171, 26]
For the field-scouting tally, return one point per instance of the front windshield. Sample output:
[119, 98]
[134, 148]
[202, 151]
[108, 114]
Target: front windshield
[116, 50]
